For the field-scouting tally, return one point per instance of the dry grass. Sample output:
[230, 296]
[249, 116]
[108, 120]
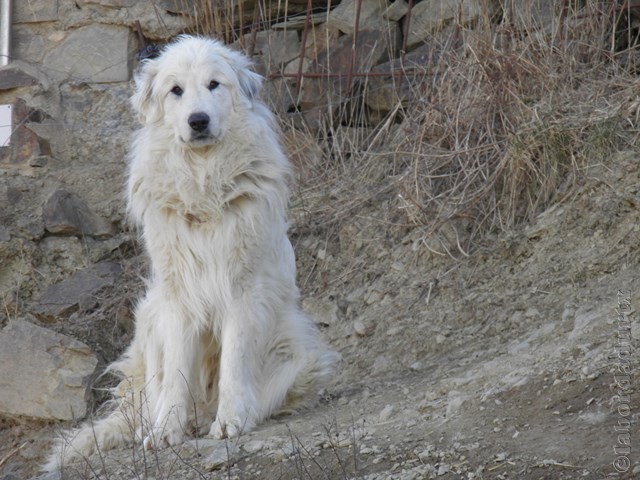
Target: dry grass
[507, 133]
[504, 121]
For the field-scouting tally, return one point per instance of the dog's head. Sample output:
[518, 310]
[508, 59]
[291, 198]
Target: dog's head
[194, 87]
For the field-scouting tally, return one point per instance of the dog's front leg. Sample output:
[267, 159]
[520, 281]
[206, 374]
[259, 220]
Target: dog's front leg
[175, 378]
[239, 365]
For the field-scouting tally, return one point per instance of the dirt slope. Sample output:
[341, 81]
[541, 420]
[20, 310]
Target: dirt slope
[505, 364]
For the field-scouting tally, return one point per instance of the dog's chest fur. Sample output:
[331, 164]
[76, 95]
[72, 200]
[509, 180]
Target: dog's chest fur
[202, 222]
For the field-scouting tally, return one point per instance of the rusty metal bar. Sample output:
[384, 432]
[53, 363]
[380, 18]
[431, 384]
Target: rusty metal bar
[563, 14]
[303, 48]
[142, 42]
[254, 31]
[240, 22]
[405, 40]
[353, 46]
[457, 28]
[405, 32]
[408, 71]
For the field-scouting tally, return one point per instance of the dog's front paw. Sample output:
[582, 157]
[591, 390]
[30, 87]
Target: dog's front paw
[230, 427]
[160, 438]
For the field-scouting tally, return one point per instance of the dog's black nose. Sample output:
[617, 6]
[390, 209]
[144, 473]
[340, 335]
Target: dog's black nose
[199, 121]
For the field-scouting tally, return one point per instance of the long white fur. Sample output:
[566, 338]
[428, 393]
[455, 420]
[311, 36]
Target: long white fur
[219, 331]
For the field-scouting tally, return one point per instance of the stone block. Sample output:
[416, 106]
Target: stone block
[65, 213]
[43, 374]
[277, 48]
[17, 74]
[396, 10]
[319, 38]
[372, 47]
[431, 16]
[77, 292]
[531, 15]
[343, 17]
[93, 54]
[384, 93]
[35, 11]
[28, 44]
[26, 147]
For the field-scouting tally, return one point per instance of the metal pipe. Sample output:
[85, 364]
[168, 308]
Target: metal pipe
[415, 71]
[5, 32]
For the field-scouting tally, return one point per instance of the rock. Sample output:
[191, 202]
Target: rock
[160, 20]
[455, 401]
[65, 213]
[64, 254]
[26, 144]
[384, 93]
[293, 67]
[35, 11]
[27, 45]
[253, 446]
[429, 17]
[386, 413]
[373, 296]
[94, 54]
[343, 17]
[284, 452]
[299, 21]
[359, 328]
[380, 365]
[394, 331]
[396, 10]
[416, 366]
[78, 292]
[18, 74]
[319, 39]
[531, 15]
[43, 374]
[337, 59]
[278, 93]
[5, 234]
[324, 312]
[277, 48]
[221, 455]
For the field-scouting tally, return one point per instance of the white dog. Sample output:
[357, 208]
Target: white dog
[219, 331]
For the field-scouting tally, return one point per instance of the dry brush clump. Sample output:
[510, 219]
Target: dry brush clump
[510, 130]
[509, 126]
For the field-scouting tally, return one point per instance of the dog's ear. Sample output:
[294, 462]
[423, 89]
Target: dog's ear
[250, 83]
[142, 100]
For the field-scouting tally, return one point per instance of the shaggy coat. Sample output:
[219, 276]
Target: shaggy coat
[219, 331]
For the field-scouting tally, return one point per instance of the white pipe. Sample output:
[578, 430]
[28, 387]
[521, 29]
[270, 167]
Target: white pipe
[5, 32]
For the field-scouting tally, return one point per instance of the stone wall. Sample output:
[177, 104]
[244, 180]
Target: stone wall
[62, 234]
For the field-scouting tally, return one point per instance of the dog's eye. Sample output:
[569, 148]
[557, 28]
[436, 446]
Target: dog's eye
[213, 85]
[177, 91]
